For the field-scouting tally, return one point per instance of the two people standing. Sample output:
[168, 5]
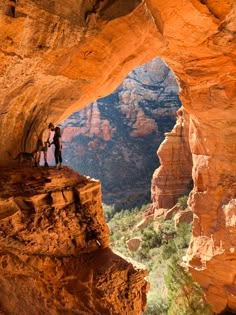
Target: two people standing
[44, 143]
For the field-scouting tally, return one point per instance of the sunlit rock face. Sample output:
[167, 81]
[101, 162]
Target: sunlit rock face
[54, 256]
[115, 138]
[173, 178]
[55, 58]
[60, 62]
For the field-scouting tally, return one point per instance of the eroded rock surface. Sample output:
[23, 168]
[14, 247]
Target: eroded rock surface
[173, 178]
[54, 254]
[55, 58]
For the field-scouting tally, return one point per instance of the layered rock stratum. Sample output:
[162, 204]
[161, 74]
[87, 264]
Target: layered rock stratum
[56, 57]
[54, 254]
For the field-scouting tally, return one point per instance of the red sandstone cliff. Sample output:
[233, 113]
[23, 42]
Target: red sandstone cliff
[57, 57]
[95, 126]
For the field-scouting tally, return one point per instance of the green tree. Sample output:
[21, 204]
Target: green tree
[185, 296]
[183, 202]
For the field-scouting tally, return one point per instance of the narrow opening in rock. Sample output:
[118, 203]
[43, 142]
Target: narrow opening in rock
[115, 138]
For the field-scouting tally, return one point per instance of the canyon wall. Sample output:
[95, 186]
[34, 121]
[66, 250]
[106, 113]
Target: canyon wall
[57, 57]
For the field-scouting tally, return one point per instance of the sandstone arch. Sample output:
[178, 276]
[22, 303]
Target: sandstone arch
[56, 58]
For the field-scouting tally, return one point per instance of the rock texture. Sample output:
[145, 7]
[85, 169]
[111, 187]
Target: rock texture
[185, 216]
[115, 138]
[168, 215]
[134, 243]
[62, 61]
[173, 178]
[54, 256]
[55, 57]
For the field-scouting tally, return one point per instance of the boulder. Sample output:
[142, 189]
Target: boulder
[184, 216]
[134, 243]
[171, 212]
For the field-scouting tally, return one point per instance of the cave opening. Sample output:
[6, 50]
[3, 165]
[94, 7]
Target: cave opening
[197, 37]
[115, 138]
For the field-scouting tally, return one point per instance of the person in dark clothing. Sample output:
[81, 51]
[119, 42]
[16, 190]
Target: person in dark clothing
[58, 147]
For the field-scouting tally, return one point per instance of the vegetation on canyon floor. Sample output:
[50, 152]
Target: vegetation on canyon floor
[172, 289]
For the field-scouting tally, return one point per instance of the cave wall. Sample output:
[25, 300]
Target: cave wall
[58, 57]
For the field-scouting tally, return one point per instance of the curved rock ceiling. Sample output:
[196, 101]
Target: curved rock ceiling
[56, 57]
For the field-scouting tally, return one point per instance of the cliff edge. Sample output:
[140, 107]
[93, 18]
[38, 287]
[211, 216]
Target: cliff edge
[54, 248]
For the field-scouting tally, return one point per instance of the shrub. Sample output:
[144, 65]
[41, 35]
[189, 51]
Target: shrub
[167, 227]
[156, 305]
[183, 202]
[183, 236]
[150, 240]
[108, 212]
[168, 250]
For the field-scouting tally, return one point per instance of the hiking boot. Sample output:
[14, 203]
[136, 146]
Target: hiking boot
[46, 164]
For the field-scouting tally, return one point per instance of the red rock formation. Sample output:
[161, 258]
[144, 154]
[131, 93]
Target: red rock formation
[57, 57]
[94, 125]
[54, 256]
[70, 132]
[173, 178]
[134, 243]
[171, 212]
[143, 125]
[159, 213]
[143, 223]
[185, 216]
